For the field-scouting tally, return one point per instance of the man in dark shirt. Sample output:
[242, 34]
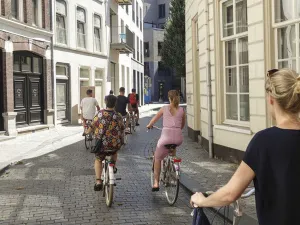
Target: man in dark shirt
[122, 103]
[111, 92]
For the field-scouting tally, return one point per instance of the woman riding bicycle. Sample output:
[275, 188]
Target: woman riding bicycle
[173, 123]
[272, 159]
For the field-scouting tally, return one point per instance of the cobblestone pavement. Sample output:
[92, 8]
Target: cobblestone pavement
[57, 188]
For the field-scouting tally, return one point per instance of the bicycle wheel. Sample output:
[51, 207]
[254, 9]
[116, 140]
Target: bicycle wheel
[152, 174]
[133, 124]
[125, 139]
[87, 142]
[109, 190]
[171, 184]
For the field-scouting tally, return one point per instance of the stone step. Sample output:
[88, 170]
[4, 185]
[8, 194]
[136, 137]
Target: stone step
[32, 129]
[2, 133]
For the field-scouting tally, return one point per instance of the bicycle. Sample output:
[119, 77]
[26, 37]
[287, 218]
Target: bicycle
[108, 177]
[170, 173]
[132, 121]
[89, 139]
[237, 209]
[125, 133]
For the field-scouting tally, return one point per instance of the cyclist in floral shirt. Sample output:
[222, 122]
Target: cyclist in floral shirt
[109, 127]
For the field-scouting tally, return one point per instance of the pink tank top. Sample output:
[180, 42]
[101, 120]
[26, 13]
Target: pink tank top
[170, 121]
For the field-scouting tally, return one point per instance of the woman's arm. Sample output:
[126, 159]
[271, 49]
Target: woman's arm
[183, 120]
[230, 192]
[156, 118]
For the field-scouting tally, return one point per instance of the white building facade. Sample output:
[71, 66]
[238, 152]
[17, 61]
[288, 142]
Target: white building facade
[230, 46]
[126, 46]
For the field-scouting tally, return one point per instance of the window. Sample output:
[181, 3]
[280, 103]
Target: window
[159, 47]
[15, 9]
[61, 15]
[141, 46]
[137, 14]
[138, 49]
[161, 11]
[236, 69]
[84, 77]
[97, 33]
[134, 45]
[287, 34]
[35, 12]
[133, 14]
[127, 9]
[81, 20]
[146, 49]
[141, 25]
[99, 85]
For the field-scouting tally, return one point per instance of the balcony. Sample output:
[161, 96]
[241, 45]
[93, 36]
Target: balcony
[124, 2]
[122, 42]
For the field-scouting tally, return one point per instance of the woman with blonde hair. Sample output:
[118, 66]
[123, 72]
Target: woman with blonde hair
[173, 123]
[272, 159]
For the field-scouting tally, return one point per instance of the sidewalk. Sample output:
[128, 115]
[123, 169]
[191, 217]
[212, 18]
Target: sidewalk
[42, 142]
[200, 174]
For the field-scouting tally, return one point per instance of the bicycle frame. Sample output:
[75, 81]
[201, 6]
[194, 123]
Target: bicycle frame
[109, 164]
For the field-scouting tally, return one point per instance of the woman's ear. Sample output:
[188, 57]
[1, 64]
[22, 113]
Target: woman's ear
[270, 100]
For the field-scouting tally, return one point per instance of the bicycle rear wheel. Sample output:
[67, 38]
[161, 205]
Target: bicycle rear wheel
[171, 184]
[109, 190]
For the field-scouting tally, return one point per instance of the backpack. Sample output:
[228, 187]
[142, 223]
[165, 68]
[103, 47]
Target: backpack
[132, 99]
[199, 218]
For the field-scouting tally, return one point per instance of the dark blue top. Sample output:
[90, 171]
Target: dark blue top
[274, 156]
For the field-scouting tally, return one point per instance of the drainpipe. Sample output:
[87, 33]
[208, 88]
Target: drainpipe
[208, 78]
[52, 16]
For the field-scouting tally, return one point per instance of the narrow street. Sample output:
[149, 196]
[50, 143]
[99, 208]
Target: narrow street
[57, 188]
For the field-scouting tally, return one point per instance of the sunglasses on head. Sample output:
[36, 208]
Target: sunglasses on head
[271, 72]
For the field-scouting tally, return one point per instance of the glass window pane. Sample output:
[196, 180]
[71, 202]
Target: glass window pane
[84, 83]
[244, 108]
[84, 73]
[227, 18]
[37, 65]
[98, 83]
[97, 21]
[244, 79]
[243, 50]
[98, 74]
[16, 63]
[61, 34]
[60, 94]
[61, 7]
[61, 70]
[283, 64]
[230, 53]
[231, 80]
[80, 35]
[81, 14]
[15, 9]
[241, 16]
[26, 63]
[35, 12]
[283, 10]
[286, 42]
[231, 107]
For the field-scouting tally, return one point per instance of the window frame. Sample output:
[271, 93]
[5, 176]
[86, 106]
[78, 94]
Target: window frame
[285, 24]
[65, 23]
[235, 37]
[84, 26]
[17, 7]
[164, 11]
[100, 32]
[84, 78]
[137, 48]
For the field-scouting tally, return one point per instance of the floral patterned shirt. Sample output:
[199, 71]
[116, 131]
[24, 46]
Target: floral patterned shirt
[112, 124]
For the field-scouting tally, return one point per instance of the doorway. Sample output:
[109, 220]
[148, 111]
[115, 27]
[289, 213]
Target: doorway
[28, 88]
[161, 91]
[62, 100]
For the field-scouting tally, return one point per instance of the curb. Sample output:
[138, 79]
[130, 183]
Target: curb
[2, 170]
[193, 186]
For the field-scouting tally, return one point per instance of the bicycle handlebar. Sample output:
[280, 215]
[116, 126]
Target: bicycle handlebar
[157, 128]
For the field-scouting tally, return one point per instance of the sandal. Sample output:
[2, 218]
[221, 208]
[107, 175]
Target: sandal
[115, 170]
[155, 189]
[98, 187]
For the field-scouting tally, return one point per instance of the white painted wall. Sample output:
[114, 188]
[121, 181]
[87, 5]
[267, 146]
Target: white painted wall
[76, 57]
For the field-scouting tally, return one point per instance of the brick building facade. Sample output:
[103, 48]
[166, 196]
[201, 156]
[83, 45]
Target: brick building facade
[26, 98]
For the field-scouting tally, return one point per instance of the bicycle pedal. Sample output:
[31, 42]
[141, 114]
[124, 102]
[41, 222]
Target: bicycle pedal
[118, 178]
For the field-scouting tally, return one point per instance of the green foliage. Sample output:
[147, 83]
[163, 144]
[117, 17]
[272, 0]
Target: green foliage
[173, 48]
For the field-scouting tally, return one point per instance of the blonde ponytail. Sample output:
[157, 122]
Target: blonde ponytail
[174, 97]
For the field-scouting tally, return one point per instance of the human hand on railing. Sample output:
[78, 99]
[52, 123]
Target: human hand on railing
[196, 199]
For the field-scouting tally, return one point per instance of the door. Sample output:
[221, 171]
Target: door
[62, 100]
[1, 94]
[28, 89]
[161, 91]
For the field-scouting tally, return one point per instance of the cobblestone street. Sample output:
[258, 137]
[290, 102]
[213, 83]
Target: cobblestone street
[57, 188]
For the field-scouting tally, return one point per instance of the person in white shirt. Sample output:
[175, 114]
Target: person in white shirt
[88, 107]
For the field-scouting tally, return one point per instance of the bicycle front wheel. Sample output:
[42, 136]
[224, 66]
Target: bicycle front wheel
[86, 142]
[109, 190]
[171, 184]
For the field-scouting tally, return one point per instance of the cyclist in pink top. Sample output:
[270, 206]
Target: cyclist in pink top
[173, 123]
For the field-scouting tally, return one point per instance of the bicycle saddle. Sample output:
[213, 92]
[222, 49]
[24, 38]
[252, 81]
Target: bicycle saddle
[171, 146]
